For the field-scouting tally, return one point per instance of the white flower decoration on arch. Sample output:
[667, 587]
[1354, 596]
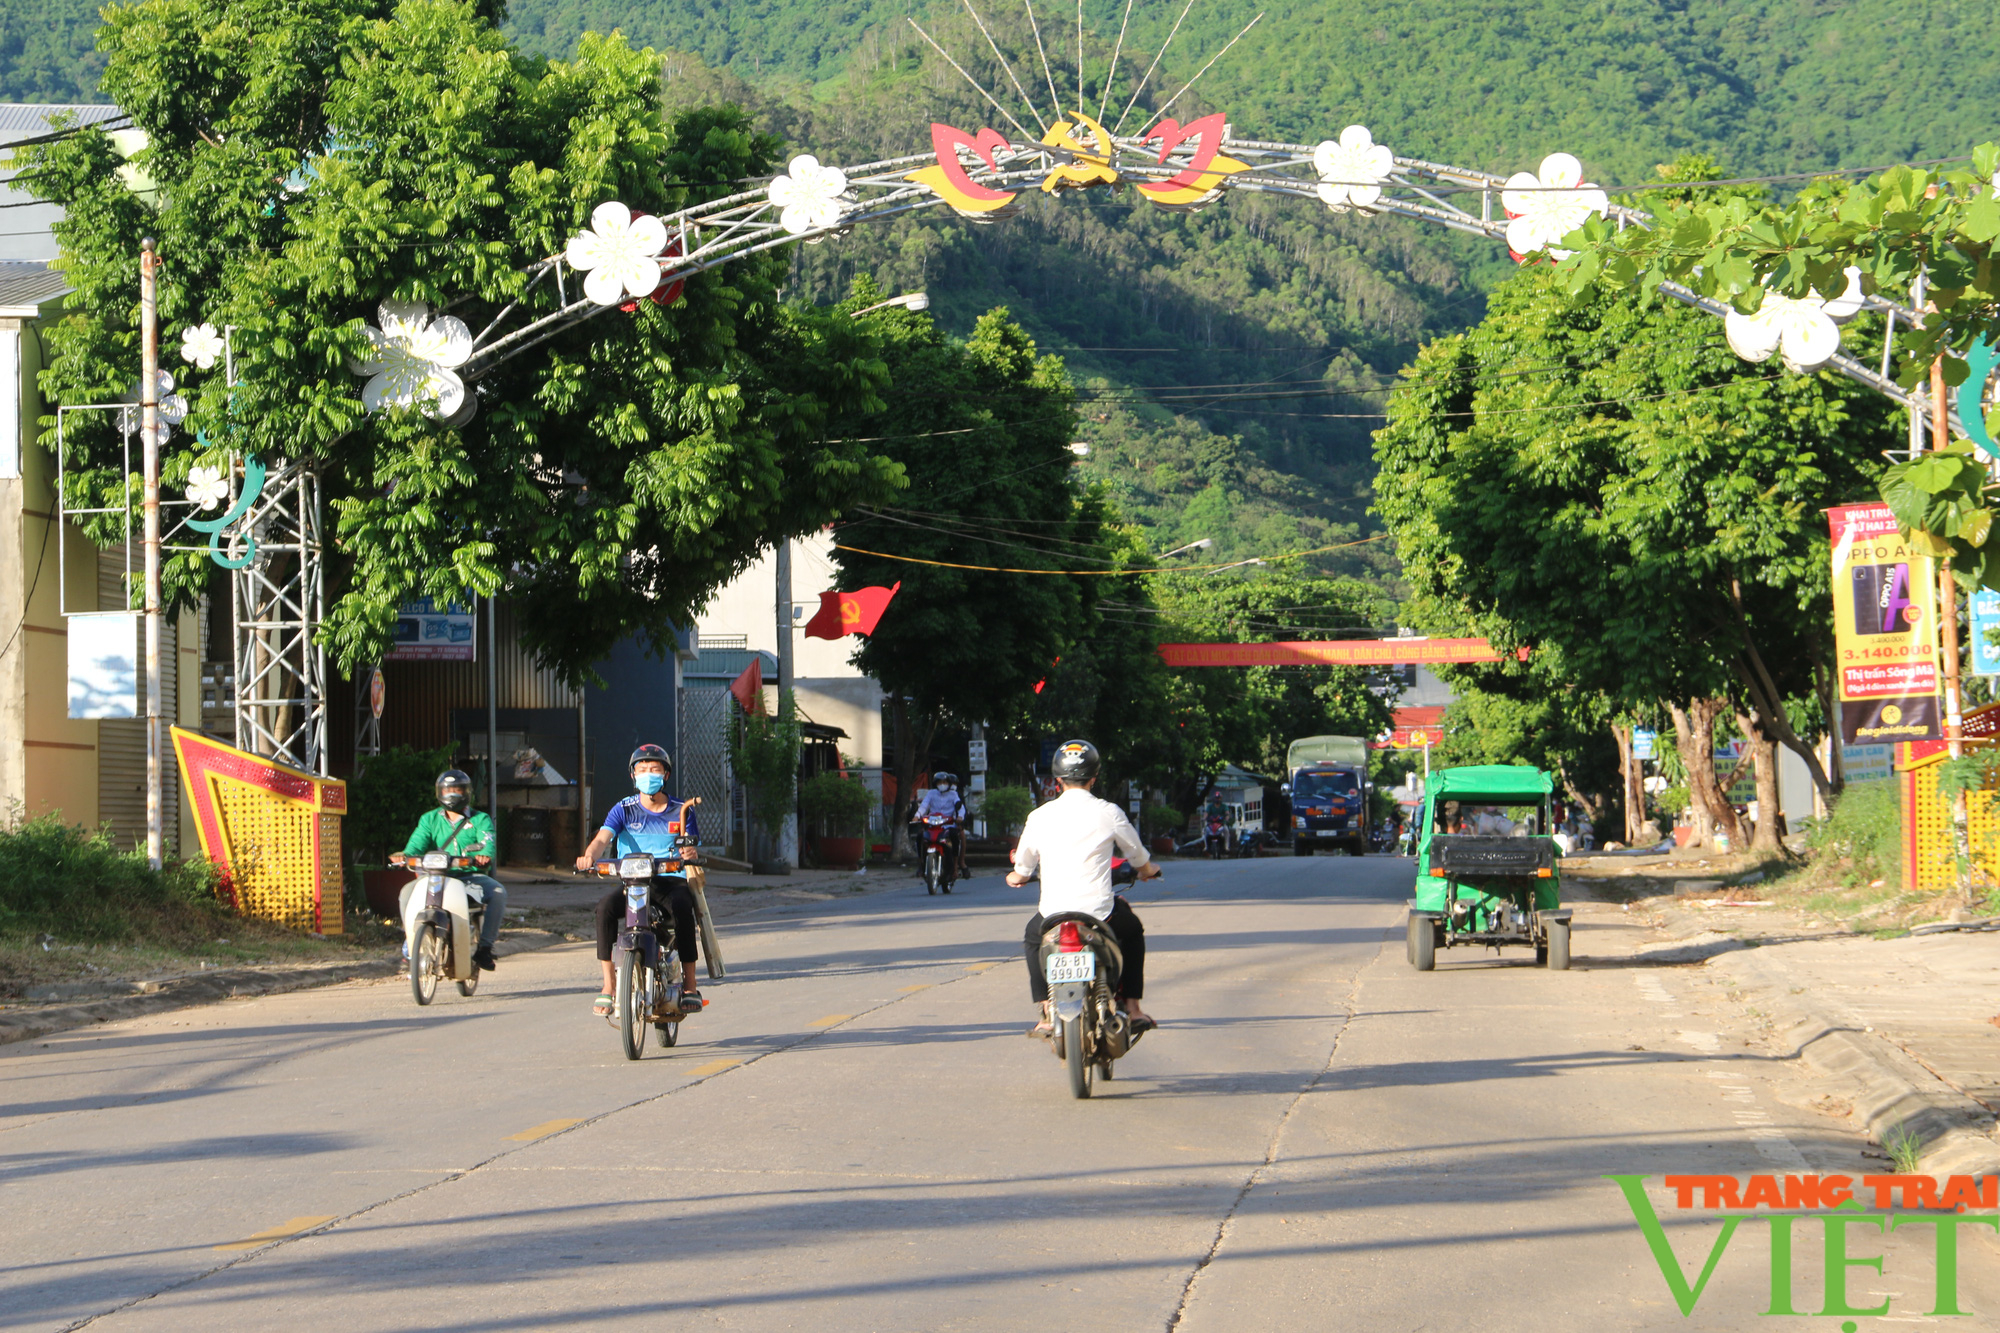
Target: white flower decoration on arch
[201, 345]
[619, 255]
[207, 488]
[1549, 204]
[414, 360]
[1351, 171]
[809, 198]
[1803, 330]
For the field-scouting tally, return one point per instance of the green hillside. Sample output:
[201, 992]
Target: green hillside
[1232, 355]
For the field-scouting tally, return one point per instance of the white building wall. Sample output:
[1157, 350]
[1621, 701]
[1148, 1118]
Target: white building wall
[829, 689]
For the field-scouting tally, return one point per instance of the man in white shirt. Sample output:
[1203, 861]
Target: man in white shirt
[1072, 841]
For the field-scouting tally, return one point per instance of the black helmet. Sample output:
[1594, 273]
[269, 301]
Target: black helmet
[1075, 761]
[454, 777]
[649, 754]
[941, 776]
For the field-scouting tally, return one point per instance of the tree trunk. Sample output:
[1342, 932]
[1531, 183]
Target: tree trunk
[1694, 737]
[1764, 754]
[1770, 705]
[1633, 785]
[909, 755]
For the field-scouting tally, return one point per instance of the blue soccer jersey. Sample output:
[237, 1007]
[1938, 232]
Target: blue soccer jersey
[638, 829]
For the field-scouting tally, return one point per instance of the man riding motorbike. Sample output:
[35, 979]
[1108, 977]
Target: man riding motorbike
[943, 799]
[641, 824]
[1072, 840]
[456, 829]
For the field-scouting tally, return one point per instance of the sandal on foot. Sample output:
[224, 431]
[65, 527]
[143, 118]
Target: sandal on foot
[1045, 1028]
[1143, 1024]
[691, 1000]
[602, 1006]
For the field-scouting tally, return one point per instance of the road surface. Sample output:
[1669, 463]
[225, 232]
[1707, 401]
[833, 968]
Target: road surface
[858, 1136]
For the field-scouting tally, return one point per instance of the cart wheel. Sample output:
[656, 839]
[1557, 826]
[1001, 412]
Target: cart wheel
[1558, 946]
[1422, 944]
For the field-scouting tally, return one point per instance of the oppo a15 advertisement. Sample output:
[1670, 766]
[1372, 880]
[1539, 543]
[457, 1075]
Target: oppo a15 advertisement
[1885, 629]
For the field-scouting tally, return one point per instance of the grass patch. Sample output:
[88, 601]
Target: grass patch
[75, 908]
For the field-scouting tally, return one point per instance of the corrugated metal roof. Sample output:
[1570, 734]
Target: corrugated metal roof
[24, 286]
[22, 120]
[728, 664]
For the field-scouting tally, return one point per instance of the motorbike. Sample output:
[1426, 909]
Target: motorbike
[441, 917]
[1215, 839]
[940, 863]
[650, 983]
[1081, 960]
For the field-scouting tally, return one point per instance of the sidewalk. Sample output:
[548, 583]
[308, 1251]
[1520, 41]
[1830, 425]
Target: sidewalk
[1906, 1030]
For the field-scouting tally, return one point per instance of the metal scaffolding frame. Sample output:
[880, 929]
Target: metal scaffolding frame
[279, 599]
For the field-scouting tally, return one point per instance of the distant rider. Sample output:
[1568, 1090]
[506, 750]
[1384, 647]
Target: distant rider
[1072, 841]
[641, 824]
[456, 829]
[943, 799]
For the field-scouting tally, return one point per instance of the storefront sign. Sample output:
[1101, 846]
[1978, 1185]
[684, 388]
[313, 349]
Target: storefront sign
[427, 632]
[1885, 629]
[1985, 627]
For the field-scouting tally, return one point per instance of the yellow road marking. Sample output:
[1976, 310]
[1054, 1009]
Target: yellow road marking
[714, 1067]
[542, 1131]
[981, 967]
[910, 990]
[278, 1232]
[829, 1020]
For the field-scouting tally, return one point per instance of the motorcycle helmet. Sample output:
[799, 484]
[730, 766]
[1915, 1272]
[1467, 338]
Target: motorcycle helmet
[1075, 761]
[649, 754]
[941, 778]
[459, 800]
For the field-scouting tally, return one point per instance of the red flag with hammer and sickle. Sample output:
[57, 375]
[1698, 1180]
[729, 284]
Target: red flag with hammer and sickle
[856, 612]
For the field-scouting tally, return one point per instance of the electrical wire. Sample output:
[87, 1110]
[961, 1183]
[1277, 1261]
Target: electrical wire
[1112, 573]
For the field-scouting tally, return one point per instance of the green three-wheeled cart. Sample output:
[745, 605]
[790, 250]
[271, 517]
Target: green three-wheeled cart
[1487, 868]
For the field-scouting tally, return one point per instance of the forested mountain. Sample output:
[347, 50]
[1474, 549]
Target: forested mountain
[1231, 355]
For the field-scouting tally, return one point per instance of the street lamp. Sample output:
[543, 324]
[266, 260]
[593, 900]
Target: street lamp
[1238, 565]
[1202, 545]
[908, 301]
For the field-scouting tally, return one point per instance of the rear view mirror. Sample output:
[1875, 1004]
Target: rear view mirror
[1284, 789]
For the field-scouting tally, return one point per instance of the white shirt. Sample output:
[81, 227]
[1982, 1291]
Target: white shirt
[1071, 840]
[936, 802]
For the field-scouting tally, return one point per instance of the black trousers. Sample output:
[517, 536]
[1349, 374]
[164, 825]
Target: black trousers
[679, 899]
[1125, 928]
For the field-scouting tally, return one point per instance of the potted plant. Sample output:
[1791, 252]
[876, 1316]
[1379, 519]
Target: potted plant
[836, 808]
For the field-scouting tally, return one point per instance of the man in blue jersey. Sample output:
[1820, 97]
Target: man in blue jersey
[643, 823]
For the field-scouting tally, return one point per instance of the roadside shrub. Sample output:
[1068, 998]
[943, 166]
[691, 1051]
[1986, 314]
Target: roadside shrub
[63, 880]
[385, 802]
[1861, 841]
[1006, 809]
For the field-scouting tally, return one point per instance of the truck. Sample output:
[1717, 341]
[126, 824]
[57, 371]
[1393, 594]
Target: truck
[1329, 791]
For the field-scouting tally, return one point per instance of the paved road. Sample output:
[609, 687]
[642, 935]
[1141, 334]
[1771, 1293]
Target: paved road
[858, 1136]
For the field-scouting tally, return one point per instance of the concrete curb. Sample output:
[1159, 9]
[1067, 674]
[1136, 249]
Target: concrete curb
[1888, 1087]
[223, 984]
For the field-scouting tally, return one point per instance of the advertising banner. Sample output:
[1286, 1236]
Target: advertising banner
[427, 632]
[1985, 620]
[1885, 629]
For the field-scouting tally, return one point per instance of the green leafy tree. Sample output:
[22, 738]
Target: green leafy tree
[316, 159]
[1607, 483]
[981, 429]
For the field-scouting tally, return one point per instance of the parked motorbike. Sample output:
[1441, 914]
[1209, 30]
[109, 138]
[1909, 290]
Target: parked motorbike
[1215, 839]
[1081, 960]
[441, 916]
[940, 864]
[649, 983]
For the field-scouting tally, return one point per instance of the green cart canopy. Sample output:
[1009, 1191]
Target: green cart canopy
[1495, 783]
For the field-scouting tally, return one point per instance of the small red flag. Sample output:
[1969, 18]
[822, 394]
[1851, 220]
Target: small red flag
[843, 613]
[749, 687]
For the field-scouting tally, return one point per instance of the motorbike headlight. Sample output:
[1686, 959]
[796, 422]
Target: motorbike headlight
[436, 861]
[1298, 821]
[635, 867]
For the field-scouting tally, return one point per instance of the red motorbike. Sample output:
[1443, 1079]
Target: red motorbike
[940, 857]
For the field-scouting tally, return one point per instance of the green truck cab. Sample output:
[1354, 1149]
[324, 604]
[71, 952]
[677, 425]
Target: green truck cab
[1488, 871]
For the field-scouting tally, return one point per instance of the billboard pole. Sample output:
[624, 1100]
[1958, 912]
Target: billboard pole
[1954, 719]
[149, 433]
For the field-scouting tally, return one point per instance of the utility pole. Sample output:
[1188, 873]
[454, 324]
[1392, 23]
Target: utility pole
[492, 725]
[149, 433]
[784, 564]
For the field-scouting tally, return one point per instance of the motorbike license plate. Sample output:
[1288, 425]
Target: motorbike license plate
[1071, 967]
